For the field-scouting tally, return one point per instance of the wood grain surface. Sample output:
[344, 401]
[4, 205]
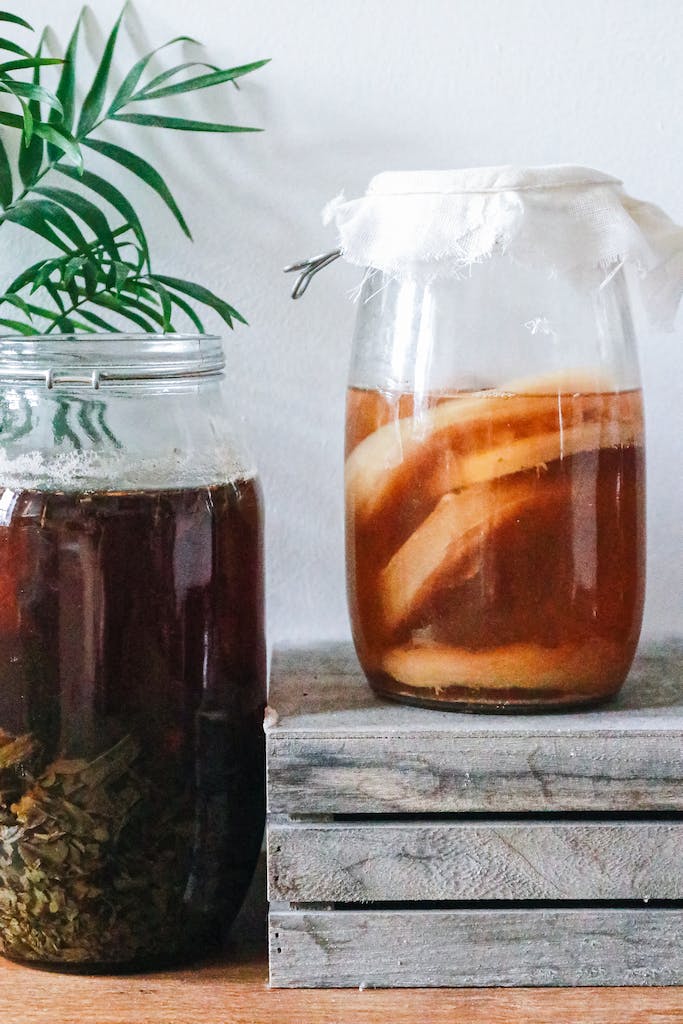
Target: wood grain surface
[237, 993]
[350, 862]
[479, 947]
[335, 748]
[234, 990]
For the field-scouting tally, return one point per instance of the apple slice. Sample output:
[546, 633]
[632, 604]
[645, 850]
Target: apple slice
[405, 445]
[440, 549]
[538, 450]
[582, 667]
[470, 440]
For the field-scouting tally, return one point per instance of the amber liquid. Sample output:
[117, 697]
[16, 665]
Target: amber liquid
[139, 616]
[495, 545]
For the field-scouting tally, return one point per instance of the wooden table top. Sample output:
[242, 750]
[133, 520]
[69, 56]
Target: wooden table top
[234, 990]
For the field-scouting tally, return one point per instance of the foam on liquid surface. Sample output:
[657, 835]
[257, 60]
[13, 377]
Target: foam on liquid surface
[120, 471]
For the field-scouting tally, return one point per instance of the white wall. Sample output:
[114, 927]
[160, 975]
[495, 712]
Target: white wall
[357, 86]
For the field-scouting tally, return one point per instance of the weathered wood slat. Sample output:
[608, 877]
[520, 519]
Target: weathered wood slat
[381, 948]
[441, 774]
[336, 748]
[345, 862]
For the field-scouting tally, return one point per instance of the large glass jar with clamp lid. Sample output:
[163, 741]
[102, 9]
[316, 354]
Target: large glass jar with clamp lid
[494, 445]
[132, 663]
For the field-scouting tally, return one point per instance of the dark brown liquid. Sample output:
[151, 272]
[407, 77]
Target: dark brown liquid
[495, 545]
[136, 619]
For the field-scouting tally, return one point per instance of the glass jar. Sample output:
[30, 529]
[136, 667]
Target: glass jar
[495, 503]
[132, 657]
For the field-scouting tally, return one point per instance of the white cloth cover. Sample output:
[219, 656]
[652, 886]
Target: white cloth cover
[427, 224]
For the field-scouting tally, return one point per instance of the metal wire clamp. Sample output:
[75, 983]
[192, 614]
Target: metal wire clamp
[308, 269]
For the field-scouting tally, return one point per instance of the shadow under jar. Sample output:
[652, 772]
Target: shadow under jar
[132, 657]
[495, 503]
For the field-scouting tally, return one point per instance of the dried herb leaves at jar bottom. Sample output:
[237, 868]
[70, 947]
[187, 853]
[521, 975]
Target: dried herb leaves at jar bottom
[131, 743]
[92, 860]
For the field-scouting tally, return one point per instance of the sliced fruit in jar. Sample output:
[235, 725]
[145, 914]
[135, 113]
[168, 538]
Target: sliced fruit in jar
[443, 550]
[468, 440]
[579, 668]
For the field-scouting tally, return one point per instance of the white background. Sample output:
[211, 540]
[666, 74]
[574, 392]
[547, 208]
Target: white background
[355, 87]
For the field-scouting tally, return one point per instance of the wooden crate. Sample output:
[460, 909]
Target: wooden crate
[409, 847]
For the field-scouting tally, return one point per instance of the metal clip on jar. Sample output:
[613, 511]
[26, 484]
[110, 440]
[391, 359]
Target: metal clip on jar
[495, 503]
[132, 665]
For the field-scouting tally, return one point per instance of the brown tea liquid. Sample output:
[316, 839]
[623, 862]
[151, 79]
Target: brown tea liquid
[132, 688]
[495, 544]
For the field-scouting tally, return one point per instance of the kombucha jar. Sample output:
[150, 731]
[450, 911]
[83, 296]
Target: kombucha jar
[132, 660]
[494, 472]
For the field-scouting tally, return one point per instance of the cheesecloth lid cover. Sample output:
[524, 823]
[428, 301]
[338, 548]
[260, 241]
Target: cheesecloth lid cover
[428, 224]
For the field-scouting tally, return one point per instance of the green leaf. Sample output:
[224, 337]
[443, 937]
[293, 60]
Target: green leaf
[36, 223]
[165, 75]
[38, 214]
[31, 157]
[203, 295]
[8, 44]
[35, 93]
[164, 298]
[202, 81]
[15, 19]
[134, 294]
[188, 310]
[180, 124]
[28, 123]
[42, 278]
[17, 325]
[94, 101]
[91, 273]
[61, 140]
[17, 302]
[66, 89]
[6, 190]
[11, 120]
[143, 170]
[122, 272]
[30, 308]
[115, 198]
[28, 62]
[53, 291]
[30, 160]
[98, 321]
[26, 276]
[116, 305]
[87, 211]
[71, 268]
[127, 87]
[73, 293]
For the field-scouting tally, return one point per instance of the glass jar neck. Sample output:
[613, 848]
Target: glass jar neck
[96, 360]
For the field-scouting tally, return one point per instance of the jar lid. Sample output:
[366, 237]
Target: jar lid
[561, 219]
[91, 360]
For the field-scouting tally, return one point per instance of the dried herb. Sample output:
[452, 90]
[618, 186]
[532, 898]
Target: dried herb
[93, 857]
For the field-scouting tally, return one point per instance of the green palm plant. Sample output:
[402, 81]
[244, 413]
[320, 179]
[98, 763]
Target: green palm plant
[99, 264]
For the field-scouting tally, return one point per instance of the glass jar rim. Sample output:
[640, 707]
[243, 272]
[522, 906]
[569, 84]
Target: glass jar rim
[90, 360]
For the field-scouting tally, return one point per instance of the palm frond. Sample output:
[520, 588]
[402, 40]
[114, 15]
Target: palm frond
[99, 271]
[94, 101]
[31, 156]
